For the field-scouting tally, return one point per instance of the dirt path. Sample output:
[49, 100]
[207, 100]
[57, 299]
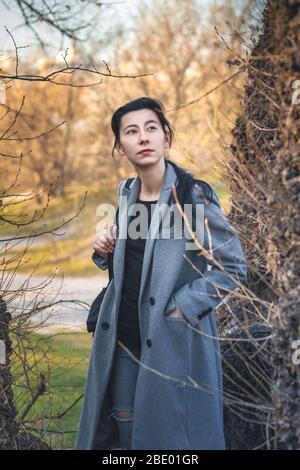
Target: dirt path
[67, 315]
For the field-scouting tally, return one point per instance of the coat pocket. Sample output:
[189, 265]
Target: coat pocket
[169, 308]
[178, 319]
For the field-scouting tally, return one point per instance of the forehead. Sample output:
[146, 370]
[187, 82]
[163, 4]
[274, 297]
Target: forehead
[138, 117]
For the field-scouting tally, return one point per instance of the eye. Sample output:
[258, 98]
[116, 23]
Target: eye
[134, 130]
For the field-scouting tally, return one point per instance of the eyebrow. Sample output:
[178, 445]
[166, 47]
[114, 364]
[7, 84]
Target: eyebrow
[135, 125]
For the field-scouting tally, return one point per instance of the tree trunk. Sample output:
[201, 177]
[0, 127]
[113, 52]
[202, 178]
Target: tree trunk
[264, 183]
[8, 425]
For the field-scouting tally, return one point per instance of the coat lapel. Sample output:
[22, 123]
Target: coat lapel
[129, 197]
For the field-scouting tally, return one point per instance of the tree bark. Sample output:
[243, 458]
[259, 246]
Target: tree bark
[8, 425]
[264, 183]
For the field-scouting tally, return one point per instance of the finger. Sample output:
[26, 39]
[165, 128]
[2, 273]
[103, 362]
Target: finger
[109, 239]
[103, 239]
[100, 245]
[113, 231]
[107, 245]
[107, 235]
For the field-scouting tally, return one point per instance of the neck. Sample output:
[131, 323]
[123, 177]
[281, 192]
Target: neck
[152, 179]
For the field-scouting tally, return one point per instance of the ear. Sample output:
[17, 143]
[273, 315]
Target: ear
[167, 138]
[119, 149]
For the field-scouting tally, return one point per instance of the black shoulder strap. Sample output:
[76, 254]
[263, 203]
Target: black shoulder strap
[110, 255]
[204, 186]
[128, 182]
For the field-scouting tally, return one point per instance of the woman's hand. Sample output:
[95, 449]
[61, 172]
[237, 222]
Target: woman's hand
[176, 313]
[105, 243]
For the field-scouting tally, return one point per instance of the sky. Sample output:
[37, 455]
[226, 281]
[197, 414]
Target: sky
[12, 19]
[120, 14]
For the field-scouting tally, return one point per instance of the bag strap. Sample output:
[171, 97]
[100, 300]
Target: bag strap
[215, 199]
[110, 255]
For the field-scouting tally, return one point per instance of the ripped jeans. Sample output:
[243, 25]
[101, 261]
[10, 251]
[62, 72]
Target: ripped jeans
[122, 386]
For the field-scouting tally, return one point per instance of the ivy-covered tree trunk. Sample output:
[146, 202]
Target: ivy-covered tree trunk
[264, 183]
[284, 228]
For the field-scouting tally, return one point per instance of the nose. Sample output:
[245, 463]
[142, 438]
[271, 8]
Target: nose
[143, 137]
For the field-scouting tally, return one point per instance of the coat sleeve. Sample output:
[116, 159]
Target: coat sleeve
[99, 261]
[204, 294]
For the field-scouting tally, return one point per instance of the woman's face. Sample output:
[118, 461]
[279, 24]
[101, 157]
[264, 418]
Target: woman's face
[140, 130]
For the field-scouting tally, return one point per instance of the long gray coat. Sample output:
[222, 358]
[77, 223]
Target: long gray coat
[178, 401]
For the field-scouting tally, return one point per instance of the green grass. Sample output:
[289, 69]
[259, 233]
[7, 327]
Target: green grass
[63, 359]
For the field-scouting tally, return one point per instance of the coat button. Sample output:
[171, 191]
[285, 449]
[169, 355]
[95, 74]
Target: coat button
[205, 312]
[152, 300]
[149, 343]
[104, 325]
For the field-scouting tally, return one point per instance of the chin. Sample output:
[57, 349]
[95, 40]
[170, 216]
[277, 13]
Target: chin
[147, 160]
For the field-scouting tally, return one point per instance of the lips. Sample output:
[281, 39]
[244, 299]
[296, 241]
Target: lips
[146, 150]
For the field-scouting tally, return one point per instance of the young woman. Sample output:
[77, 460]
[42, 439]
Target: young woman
[155, 375]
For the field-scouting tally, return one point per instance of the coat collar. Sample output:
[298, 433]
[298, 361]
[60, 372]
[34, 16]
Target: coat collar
[170, 179]
[132, 194]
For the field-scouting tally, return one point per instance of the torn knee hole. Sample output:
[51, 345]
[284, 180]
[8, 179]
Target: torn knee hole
[123, 415]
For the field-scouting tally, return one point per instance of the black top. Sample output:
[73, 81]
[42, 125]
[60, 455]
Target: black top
[128, 323]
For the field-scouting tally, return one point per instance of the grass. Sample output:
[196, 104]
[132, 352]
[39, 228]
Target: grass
[63, 359]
